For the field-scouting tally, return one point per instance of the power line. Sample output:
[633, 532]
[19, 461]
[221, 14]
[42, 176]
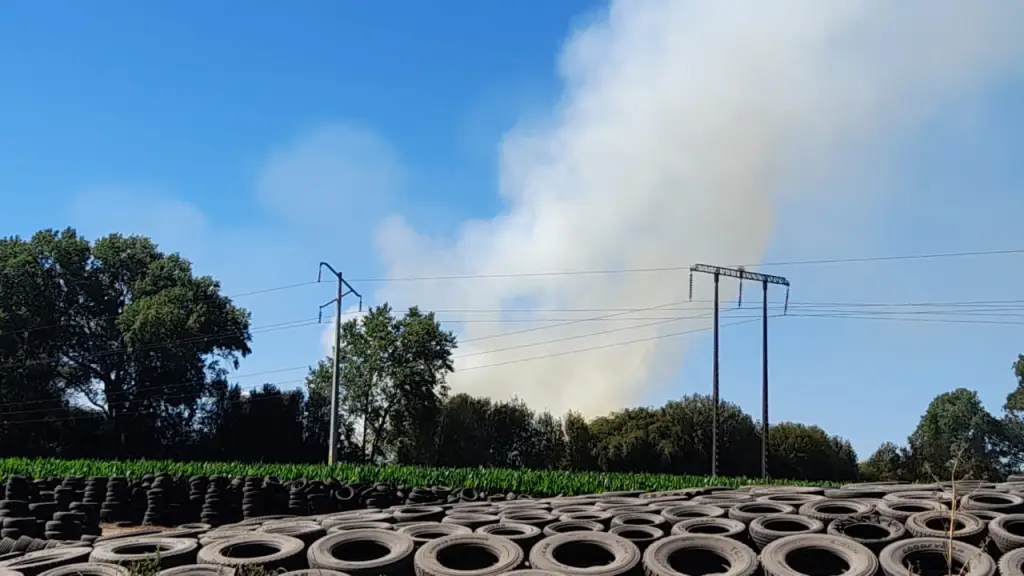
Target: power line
[167, 343]
[168, 386]
[578, 336]
[686, 268]
[927, 320]
[573, 321]
[116, 316]
[778, 303]
[741, 321]
[822, 310]
[605, 346]
[98, 414]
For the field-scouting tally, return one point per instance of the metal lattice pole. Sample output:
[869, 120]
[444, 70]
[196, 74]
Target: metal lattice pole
[765, 279]
[344, 289]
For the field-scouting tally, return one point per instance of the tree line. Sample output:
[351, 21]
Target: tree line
[114, 349]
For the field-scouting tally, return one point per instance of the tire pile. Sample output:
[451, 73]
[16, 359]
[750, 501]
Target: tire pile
[857, 530]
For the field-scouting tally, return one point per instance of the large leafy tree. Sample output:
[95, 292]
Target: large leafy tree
[957, 433]
[394, 372]
[126, 328]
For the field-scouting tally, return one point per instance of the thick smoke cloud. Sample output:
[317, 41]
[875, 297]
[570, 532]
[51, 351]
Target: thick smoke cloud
[680, 126]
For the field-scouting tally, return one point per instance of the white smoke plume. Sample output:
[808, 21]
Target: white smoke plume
[679, 126]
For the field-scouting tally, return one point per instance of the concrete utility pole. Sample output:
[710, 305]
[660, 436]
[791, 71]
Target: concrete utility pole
[344, 289]
[765, 280]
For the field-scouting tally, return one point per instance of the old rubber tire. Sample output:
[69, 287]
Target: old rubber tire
[876, 533]
[1007, 531]
[992, 500]
[479, 554]
[89, 569]
[34, 563]
[363, 552]
[1012, 563]
[472, 519]
[642, 536]
[746, 512]
[423, 532]
[806, 553]
[170, 552]
[895, 557]
[524, 535]
[831, 509]
[245, 551]
[419, 514]
[714, 554]
[570, 526]
[903, 509]
[929, 524]
[767, 529]
[638, 519]
[198, 570]
[349, 526]
[308, 532]
[559, 553]
[313, 572]
[133, 534]
[676, 514]
[710, 527]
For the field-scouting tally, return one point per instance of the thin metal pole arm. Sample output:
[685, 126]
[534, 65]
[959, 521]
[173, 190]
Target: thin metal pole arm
[320, 270]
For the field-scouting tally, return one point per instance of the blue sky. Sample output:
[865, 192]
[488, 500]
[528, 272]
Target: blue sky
[259, 140]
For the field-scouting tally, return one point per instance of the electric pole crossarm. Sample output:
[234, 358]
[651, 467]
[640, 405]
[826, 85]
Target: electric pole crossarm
[739, 274]
[320, 270]
[765, 279]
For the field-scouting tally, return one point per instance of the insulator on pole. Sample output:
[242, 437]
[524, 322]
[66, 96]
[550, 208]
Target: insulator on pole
[786, 307]
[691, 285]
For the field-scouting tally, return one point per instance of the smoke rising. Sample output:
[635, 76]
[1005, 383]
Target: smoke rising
[680, 125]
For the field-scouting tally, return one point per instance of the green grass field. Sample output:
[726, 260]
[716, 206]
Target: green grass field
[537, 482]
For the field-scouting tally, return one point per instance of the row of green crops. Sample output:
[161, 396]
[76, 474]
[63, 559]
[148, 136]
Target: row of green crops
[538, 482]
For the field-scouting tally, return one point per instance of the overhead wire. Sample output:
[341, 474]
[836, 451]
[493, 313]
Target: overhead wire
[740, 321]
[168, 343]
[820, 310]
[671, 268]
[116, 316]
[99, 414]
[686, 268]
[168, 386]
[800, 310]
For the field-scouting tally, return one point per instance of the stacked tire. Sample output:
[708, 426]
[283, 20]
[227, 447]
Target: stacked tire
[858, 530]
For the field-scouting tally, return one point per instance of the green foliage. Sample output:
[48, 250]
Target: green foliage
[1015, 400]
[889, 462]
[956, 425]
[114, 349]
[93, 320]
[393, 375]
[540, 482]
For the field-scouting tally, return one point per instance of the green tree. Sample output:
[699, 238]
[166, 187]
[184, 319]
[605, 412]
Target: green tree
[394, 374]
[888, 462]
[316, 416]
[809, 453]
[957, 426]
[128, 328]
[1015, 400]
[464, 435]
[579, 443]
[685, 436]
[549, 442]
[511, 434]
